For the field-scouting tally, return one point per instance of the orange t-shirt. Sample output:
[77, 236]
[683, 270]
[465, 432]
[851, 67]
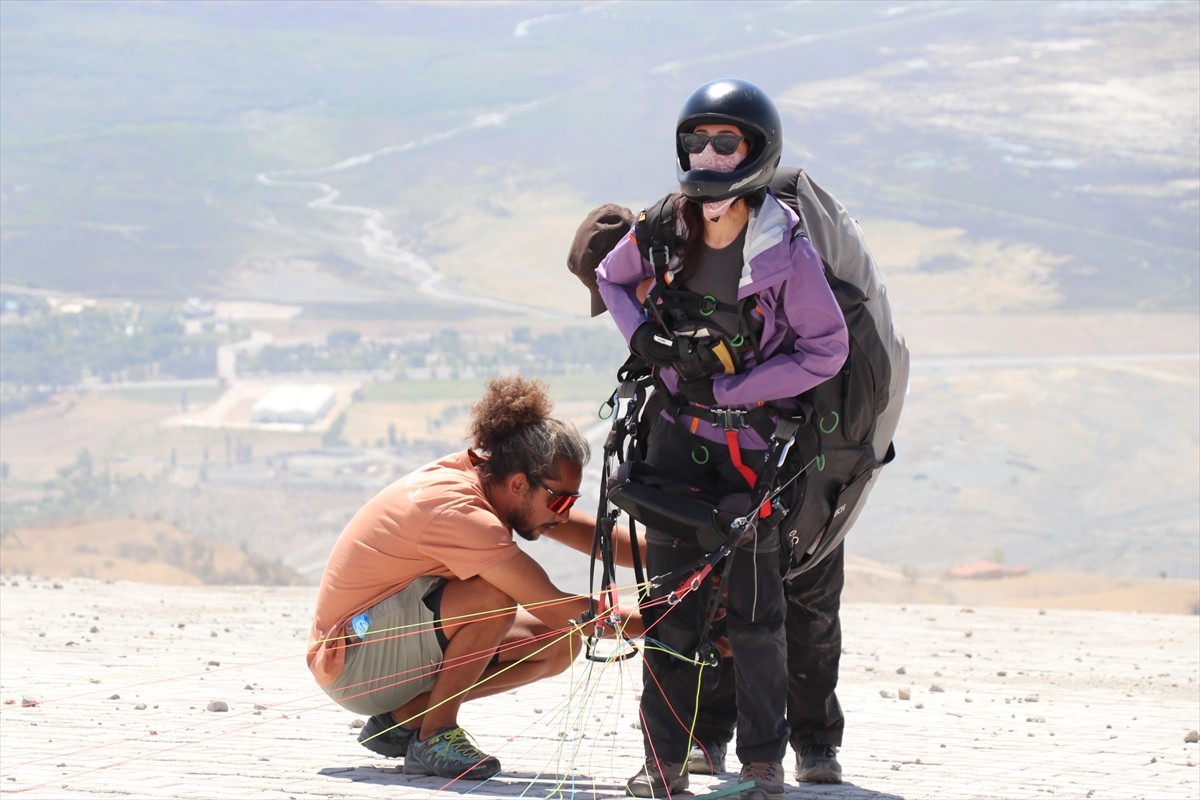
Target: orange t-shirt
[434, 521]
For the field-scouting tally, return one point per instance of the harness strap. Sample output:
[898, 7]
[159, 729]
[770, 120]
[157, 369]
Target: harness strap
[634, 381]
[735, 455]
[761, 419]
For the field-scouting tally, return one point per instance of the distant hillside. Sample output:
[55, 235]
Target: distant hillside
[269, 151]
[873, 582]
[154, 552]
[132, 549]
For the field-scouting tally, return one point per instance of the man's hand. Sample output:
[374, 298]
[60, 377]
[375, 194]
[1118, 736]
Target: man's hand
[653, 347]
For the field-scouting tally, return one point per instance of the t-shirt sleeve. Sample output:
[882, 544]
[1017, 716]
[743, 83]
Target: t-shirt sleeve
[468, 539]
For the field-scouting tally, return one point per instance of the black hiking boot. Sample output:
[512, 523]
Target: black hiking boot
[707, 758]
[382, 735]
[817, 763]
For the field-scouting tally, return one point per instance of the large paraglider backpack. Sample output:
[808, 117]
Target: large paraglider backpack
[834, 446]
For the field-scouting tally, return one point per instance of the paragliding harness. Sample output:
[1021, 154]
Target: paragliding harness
[705, 347]
[656, 499]
[821, 457]
[839, 418]
[652, 496]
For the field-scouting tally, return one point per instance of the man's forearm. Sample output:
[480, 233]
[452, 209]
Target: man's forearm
[579, 531]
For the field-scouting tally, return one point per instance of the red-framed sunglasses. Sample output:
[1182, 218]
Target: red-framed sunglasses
[558, 502]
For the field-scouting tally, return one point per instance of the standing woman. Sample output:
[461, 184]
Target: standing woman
[741, 320]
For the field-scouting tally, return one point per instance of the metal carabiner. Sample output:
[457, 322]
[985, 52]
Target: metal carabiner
[734, 418]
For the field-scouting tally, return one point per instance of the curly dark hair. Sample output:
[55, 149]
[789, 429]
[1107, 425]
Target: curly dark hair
[512, 428]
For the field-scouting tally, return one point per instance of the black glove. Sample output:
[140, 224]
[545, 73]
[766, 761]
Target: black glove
[698, 390]
[653, 347]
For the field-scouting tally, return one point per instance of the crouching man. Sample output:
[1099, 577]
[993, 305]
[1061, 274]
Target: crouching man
[427, 601]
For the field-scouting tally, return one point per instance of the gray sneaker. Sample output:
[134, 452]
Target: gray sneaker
[707, 759]
[449, 753]
[768, 780]
[649, 781]
[381, 735]
[817, 763]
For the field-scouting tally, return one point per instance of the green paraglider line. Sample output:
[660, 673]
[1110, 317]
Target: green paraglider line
[728, 790]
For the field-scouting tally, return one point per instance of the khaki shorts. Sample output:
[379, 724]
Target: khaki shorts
[398, 659]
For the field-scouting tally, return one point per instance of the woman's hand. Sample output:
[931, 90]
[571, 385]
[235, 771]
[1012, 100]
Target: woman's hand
[652, 346]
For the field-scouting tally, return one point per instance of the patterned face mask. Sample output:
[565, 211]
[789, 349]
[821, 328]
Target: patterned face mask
[710, 160]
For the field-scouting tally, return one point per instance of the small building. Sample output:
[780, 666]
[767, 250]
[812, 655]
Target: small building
[195, 308]
[293, 405]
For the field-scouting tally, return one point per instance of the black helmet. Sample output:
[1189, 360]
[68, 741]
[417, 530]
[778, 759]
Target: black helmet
[747, 106]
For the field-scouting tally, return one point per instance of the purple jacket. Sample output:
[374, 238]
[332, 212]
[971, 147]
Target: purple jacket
[804, 339]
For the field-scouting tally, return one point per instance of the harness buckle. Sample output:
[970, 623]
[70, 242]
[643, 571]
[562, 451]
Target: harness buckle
[662, 249]
[786, 429]
[729, 419]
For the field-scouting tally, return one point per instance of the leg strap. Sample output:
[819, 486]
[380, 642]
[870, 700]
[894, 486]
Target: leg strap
[735, 455]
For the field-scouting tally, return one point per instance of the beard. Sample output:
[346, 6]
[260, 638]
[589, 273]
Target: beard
[522, 525]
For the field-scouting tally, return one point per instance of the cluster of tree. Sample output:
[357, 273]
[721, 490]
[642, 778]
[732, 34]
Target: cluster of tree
[62, 349]
[572, 350]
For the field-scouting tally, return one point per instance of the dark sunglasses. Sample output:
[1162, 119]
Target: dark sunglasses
[559, 502]
[723, 143]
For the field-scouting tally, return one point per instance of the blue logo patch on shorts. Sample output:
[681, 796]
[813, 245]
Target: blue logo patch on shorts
[361, 624]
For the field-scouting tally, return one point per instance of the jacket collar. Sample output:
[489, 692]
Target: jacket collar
[767, 256]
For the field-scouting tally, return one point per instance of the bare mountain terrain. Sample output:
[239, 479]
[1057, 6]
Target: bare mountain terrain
[1028, 175]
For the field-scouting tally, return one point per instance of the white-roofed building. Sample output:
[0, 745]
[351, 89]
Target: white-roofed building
[294, 405]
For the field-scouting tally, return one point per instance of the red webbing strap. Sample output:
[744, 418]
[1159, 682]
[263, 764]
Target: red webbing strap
[735, 454]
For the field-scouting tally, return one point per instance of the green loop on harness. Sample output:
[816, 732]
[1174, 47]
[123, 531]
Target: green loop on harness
[737, 341]
[700, 449]
[836, 420]
[820, 463]
[708, 307]
[600, 411]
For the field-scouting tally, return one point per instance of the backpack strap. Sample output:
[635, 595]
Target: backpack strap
[655, 233]
[627, 406]
[656, 238]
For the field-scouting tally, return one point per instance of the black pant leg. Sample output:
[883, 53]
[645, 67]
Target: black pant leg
[718, 709]
[756, 608]
[756, 613]
[814, 641]
[669, 683]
